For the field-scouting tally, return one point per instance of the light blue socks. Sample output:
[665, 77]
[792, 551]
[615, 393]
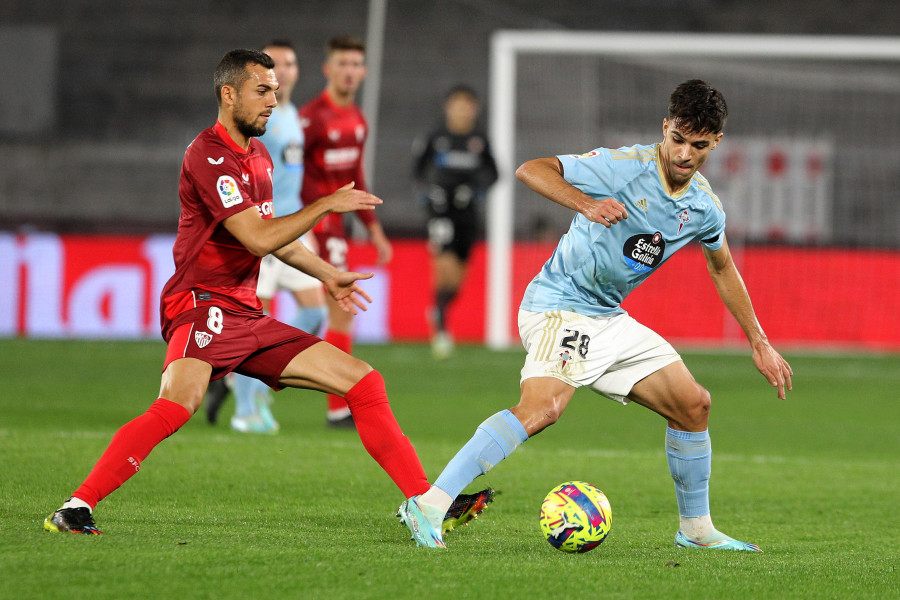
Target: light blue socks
[494, 440]
[690, 461]
[245, 391]
[310, 318]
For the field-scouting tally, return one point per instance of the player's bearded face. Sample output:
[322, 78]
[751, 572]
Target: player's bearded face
[683, 152]
[254, 102]
[249, 122]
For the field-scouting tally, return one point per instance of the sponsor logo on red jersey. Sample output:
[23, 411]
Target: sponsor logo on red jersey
[265, 209]
[341, 158]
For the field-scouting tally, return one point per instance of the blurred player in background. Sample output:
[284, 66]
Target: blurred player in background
[284, 141]
[454, 167]
[335, 131]
[634, 207]
[211, 317]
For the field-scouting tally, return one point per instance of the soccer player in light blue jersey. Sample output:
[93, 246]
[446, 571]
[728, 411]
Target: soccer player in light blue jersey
[284, 141]
[634, 207]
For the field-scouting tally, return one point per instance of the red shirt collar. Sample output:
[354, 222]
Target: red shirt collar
[334, 105]
[223, 133]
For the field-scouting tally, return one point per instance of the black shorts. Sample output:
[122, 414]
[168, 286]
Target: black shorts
[453, 232]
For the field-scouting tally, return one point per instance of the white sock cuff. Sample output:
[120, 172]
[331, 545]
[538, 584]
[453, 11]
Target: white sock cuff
[74, 502]
[697, 528]
[437, 498]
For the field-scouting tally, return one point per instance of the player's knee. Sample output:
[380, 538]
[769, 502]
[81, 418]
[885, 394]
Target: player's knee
[537, 416]
[183, 390]
[191, 401]
[355, 371]
[369, 391]
[360, 369]
[551, 414]
[695, 409]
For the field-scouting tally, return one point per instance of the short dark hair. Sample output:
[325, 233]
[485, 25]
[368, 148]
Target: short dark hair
[461, 89]
[697, 107]
[344, 42]
[279, 43]
[232, 69]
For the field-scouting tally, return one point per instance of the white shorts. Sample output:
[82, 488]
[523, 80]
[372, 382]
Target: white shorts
[275, 275]
[607, 354]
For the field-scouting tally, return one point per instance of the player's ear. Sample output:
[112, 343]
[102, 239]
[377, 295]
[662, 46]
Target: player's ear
[228, 95]
[718, 139]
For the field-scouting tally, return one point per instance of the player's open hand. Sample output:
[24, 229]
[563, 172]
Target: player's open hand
[349, 296]
[607, 211]
[348, 199]
[773, 367]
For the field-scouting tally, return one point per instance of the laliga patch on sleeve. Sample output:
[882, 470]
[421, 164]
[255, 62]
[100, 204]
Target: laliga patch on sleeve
[228, 191]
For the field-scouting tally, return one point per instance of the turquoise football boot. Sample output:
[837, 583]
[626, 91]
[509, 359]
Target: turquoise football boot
[724, 543]
[423, 531]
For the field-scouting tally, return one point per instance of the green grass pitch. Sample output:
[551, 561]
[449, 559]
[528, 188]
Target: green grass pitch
[308, 514]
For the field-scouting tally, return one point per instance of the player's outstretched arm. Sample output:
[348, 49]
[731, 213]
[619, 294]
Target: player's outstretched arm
[730, 286]
[545, 176]
[264, 236]
[340, 284]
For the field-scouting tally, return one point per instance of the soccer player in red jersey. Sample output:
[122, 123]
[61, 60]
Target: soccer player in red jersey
[211, 317]
[335, 131]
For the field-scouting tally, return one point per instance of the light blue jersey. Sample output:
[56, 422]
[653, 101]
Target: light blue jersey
[284, 141]
[594, 268]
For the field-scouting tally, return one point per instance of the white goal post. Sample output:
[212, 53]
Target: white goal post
[505, 51]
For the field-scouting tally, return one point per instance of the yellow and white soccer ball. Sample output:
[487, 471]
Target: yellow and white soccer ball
[575, 517]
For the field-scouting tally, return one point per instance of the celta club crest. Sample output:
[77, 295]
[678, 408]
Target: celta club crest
[202, 338]
[566, 357]
[684, 218]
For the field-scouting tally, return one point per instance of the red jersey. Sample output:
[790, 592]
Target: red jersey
[332, 156]
[218, 179]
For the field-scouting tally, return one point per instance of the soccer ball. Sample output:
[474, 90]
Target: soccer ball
[575, 517]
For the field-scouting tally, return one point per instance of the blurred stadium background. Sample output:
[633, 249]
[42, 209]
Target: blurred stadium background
[102, 98]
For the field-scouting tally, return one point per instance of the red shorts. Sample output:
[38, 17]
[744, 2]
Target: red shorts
[253, 345]
[332, 249]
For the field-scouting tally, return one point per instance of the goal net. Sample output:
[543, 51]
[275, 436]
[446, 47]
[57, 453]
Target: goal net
[810, 157]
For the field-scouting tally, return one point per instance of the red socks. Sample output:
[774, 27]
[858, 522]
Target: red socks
[341, 341]
[375, 423]
[382, 437]
[129, 446]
